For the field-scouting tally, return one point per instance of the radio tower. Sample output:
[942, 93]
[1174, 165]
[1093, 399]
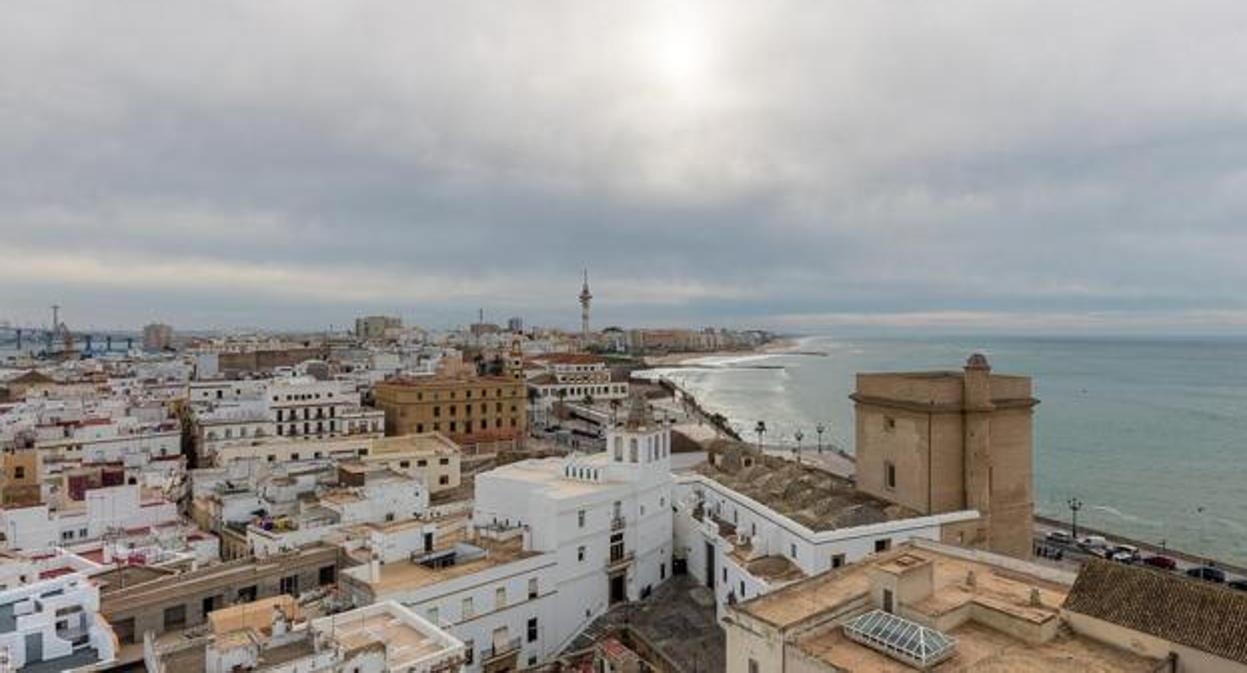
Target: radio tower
[585, 298]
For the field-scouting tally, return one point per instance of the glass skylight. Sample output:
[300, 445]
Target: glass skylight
[900, 638]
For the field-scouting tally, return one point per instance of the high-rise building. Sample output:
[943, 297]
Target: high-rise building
[375, 326]
[515, 325]
[157, 337]
[946, 441]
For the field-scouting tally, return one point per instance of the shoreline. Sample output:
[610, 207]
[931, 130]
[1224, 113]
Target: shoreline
[778, 346]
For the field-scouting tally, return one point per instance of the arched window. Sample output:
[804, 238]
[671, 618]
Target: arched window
[619, 449]
[632, 450]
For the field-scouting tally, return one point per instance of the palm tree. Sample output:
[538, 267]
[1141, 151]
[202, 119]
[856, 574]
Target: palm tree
[759, 430]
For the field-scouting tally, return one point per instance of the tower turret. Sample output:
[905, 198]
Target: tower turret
[586, 298]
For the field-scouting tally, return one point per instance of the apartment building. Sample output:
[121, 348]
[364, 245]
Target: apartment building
[245, 413]
[101, 511]
[54, 625]
[467, 409]
[431, 457]
[573, 377]
[552, 543]
[748, 524]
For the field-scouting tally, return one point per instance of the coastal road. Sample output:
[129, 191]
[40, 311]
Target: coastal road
[1075, 557]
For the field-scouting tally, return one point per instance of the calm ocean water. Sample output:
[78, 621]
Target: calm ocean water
[1150, 434]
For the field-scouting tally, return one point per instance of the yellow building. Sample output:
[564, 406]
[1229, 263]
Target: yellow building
[946, 441]
[430, 456]
[19, 477]
[468, 410]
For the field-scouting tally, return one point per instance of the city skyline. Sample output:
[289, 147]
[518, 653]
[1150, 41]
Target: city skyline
[970, 167]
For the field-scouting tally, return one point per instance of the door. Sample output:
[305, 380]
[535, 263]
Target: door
[428, 542]
[709, 565]
[887, 600]
[618, 589]
[34, 648]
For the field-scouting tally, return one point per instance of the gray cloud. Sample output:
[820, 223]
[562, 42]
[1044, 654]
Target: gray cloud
[802, 164]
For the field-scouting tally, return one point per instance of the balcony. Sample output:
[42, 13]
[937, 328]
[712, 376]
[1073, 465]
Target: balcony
[618, 523]
[618, 560]
[500, 650]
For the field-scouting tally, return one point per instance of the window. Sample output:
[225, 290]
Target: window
[792, 549]
[443, 480]
[753, 666]
[422, 463]
[469, 647]
[19, 472]
[532, 588]
[443, 461]
[437, 412]
[580, 518]
[500, 598]
[889, 474]
[837, 561]
[404, 463]
[532, 629]
[433, 614]
[327, 575]
[580, 553]
[743, 596]
[883, 545]
[67, 535]
[889, 423]
[468, 610]
[175, 617]
[290, 584]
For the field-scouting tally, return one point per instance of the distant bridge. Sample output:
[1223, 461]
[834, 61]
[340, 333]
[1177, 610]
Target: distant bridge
[43, 340]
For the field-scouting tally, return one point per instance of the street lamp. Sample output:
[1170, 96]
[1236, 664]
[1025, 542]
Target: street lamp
[819, 429]
[798, 435]
[760, 429]
[1074, 505]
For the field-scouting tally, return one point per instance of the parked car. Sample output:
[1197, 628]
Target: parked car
[1161, 562]
[1129, 549]
[1090, 542]
[1241, 585]
[1059, 537]
[1208, 574]
[1122, 556]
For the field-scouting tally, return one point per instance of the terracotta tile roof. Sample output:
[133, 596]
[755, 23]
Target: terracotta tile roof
[1189, 612]
[570, 359]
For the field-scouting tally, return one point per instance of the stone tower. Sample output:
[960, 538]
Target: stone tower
[944, 441]
[585, 298]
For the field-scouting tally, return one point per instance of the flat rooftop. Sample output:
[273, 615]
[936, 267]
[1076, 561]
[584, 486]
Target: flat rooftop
[984, 650]
[998, 586]
[813, 498]
[408, 575]
[402, 642]
[549, 472]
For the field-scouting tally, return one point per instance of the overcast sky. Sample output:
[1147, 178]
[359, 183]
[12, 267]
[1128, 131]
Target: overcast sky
[818, 165]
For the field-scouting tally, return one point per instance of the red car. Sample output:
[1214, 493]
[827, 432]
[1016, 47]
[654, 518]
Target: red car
[1161, 562]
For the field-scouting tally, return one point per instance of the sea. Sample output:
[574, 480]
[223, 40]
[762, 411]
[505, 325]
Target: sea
[1150, 434]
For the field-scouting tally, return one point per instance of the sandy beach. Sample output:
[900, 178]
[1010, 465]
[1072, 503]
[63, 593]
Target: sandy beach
[780, 345]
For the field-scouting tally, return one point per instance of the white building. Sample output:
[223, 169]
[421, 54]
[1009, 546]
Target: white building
[242, 413]
[743, 548]
[102, 511]
[55, 623]
[552, 544]
[573, 377]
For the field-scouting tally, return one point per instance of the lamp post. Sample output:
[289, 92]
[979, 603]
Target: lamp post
[1074, 505]
[798, 435]
[820, 428]
[760, 429]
